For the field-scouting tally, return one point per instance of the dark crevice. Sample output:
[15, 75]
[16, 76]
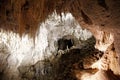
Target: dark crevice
[64, 43]
[27, 27]
[9, 15]
[103, 4]
[1, 2]
[86, 19]
[25, 6]
[108, 16]
[102, 24]
[1, 75]
[7, 12]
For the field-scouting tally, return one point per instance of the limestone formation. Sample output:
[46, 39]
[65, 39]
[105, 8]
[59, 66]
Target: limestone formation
[101, 17]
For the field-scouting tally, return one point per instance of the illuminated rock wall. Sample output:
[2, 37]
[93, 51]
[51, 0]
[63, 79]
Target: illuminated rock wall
[16, 52]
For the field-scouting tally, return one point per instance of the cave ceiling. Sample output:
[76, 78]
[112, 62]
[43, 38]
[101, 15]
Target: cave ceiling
[21, 16]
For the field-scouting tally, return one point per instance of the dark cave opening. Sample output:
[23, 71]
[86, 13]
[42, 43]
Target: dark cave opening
[65, 43]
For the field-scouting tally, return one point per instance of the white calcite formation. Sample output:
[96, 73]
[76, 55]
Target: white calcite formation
[16, 51]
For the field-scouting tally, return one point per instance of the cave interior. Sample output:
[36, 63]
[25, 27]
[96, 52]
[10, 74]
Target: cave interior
[59, 40]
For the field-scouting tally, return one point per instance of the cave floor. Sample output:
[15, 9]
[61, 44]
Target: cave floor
[76, 61]
[68, 66]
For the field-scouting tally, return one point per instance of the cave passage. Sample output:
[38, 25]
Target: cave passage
[59, 39]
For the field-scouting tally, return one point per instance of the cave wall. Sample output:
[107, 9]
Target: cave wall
[105, 18]
[25, 15]
[101, 17]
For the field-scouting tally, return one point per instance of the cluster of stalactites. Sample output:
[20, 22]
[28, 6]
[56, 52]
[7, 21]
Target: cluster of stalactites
[25, 16]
